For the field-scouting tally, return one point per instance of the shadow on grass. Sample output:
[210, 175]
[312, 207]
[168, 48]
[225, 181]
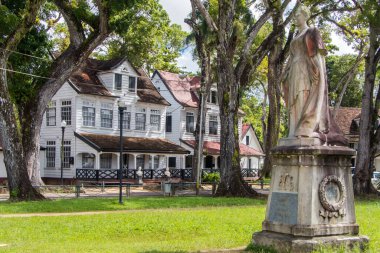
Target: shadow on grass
[259, 249]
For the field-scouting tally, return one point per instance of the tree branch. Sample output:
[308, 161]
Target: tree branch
[210, 22]
[29, 17]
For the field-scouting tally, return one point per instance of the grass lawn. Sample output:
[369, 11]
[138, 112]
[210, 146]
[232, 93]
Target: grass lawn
[216, 223]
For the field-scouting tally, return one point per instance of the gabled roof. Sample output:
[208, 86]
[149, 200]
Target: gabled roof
[182, 89]
[245, 129]
[86, 81]
[147, 92]
[213, 148]
[110, 143]
[345, 119]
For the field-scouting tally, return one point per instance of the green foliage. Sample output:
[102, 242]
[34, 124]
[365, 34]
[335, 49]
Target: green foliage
[151, 42]
[213, 177]
[336, 67]
[252, 106]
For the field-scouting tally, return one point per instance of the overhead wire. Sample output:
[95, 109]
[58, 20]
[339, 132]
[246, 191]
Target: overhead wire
[86, 83]
[44, 77]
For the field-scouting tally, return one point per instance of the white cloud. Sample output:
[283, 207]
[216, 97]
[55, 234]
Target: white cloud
[178, 10]
[186, 62]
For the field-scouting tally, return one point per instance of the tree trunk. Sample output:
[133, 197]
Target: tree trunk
[19, 184]
[365, 156]
[231, 180]
[275, 66]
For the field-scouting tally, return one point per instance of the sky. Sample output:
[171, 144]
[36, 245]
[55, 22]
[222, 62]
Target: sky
[178, 10]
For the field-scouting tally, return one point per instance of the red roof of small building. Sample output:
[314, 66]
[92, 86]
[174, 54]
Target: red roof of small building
[213, 148]
[245, 129]
[345, 119]
[182, 89]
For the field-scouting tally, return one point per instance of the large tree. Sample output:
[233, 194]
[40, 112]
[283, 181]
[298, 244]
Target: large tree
[237, 60]
[369, 134]
[89, 24]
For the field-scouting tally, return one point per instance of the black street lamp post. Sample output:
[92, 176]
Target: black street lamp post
[63, 126]
[122, 107]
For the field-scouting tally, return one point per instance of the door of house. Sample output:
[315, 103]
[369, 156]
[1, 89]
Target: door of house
[208, 162]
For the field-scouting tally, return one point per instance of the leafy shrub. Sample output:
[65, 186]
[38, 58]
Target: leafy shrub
[213, 177]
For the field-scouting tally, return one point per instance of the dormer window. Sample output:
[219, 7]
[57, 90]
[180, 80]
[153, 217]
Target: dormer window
[118, 81]
[132, 84]
[213, 98]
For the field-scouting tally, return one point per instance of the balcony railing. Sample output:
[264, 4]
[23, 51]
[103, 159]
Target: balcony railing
[105, 174]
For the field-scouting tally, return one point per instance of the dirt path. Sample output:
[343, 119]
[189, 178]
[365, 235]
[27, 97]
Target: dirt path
[18, 215]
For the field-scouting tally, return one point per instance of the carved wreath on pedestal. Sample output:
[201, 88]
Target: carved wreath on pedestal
[332, 208]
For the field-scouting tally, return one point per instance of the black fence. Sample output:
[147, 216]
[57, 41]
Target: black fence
[102, 174]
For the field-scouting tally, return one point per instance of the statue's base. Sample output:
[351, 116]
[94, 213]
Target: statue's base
[296, 244]
[311, 200]
[300, 142]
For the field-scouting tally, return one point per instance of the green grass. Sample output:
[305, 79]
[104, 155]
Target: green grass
[216, 223]
[111, 204]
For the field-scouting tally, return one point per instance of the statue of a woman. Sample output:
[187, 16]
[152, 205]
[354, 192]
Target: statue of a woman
[305, 86]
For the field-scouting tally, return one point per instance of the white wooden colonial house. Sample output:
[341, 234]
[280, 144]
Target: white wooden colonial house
[182, 94]
[88, 103]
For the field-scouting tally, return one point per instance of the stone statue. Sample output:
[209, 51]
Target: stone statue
[305, 86]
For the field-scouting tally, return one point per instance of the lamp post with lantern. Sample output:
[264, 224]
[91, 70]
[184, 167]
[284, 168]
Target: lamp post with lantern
[122, 107]
[63, 126]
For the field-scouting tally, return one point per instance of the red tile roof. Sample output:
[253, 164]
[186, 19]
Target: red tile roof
[213, 148]
[345, 119]
[110, 143]
[245, 129]
[182, 89]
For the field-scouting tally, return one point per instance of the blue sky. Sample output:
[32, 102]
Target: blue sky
[178, 11]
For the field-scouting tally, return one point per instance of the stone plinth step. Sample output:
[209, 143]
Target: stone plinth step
[284, 243]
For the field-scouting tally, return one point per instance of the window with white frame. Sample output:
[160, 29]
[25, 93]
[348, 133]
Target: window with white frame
[155, 120]
[88, 113]
[213, 97]
[118, 81]
[190, 122]
[126, 120]
[66, 111]
[169, 119]
[106, 115]
[50, 154]
[156, 162]
[66, 154]
[140, 162]
[106, 161]
[88, 161]
[132, 84]
[213, 125]
[247, 140]
[51, 114]
[140, 119]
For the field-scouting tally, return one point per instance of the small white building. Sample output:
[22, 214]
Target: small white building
[182, 94]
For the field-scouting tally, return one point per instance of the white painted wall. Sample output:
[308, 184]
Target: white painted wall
[3, 173]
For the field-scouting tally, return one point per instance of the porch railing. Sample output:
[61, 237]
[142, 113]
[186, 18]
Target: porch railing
[103, 174]
[92, 174]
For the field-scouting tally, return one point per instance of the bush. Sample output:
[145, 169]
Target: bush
[213, 177]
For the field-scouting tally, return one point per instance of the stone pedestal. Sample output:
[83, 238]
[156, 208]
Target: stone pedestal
[311, 200]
